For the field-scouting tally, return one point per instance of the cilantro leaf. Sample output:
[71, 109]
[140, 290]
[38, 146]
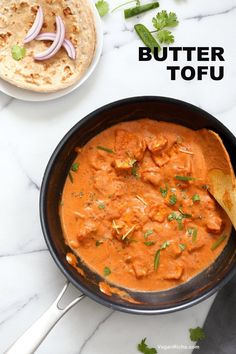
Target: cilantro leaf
[149, 243]
[159, 22]
[102, 7]
[17, 52]
[172, 199]
[106, 271]
[171, 20]
[197, 334]
[147, 233]
[196, 198]
[164, 245]
[164, 191]
[143, 348]
[165, 36]
[75, 167]
[101, 206]
[182, 246]
[163, 19]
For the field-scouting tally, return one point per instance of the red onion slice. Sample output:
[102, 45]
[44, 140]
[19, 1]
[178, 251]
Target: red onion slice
[57, 43]
[36, 28]
[49, 36]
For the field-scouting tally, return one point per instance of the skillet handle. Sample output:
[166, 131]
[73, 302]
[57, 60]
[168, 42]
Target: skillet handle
[34, 336]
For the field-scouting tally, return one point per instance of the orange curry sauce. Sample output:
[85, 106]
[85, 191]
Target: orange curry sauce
[135, 206]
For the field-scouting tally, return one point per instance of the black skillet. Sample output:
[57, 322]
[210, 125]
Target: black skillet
[188, 294]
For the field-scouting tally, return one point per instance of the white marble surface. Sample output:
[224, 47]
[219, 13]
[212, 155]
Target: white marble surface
[28, 134]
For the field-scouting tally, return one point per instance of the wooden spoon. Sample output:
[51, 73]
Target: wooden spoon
[220, 173]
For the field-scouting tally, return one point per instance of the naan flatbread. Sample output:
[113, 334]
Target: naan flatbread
[59, 72]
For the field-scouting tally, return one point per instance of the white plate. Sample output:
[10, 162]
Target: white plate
[27, 95]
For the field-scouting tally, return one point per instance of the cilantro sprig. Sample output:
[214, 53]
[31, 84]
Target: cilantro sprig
[197, 334]
[102, 7]
[144, 348]
[18, 53]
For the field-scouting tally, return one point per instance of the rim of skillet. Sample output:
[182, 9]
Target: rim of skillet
[46, 177]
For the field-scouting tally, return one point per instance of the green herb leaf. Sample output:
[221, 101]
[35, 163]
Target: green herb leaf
[172, 20]
[147, 233]
[184, 178]
[71, 177]
[218, 242]
[75, 167]
[101, 206]
[102, 7]
[172, 216]
[172, 199]
[164, 191]
[196, 198]
[197, 334]
[149, 243]
[182, 246]
[165, 36]
[105, 149]
[157, 259]
[163, 19]
[98, 243]
[106, 271]
[192, 231]
[143, 348]
[17, 52]
[164, 245]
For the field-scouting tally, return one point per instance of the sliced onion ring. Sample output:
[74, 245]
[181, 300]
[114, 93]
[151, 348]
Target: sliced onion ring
[57, 43]
[36, 27]
[50, 36]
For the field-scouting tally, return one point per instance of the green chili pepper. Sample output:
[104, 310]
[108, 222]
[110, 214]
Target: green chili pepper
[146, 37]
[133, 11]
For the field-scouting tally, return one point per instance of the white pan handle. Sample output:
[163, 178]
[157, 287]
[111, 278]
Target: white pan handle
[33, 337]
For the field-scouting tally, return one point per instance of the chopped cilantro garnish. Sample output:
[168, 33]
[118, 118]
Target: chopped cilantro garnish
[197, 334]
[106, 271]
[101, 206]
[102, 7]
[182, 246]
[17, 52]
[164, 191]
[145, 349]
[75, 167]
[172, 199]
[164, 245]
[149, 243]
[147, 233]
[172, 216]
[192, 231]
[196, 198]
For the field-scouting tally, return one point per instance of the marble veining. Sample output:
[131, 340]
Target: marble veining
[29, 132]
